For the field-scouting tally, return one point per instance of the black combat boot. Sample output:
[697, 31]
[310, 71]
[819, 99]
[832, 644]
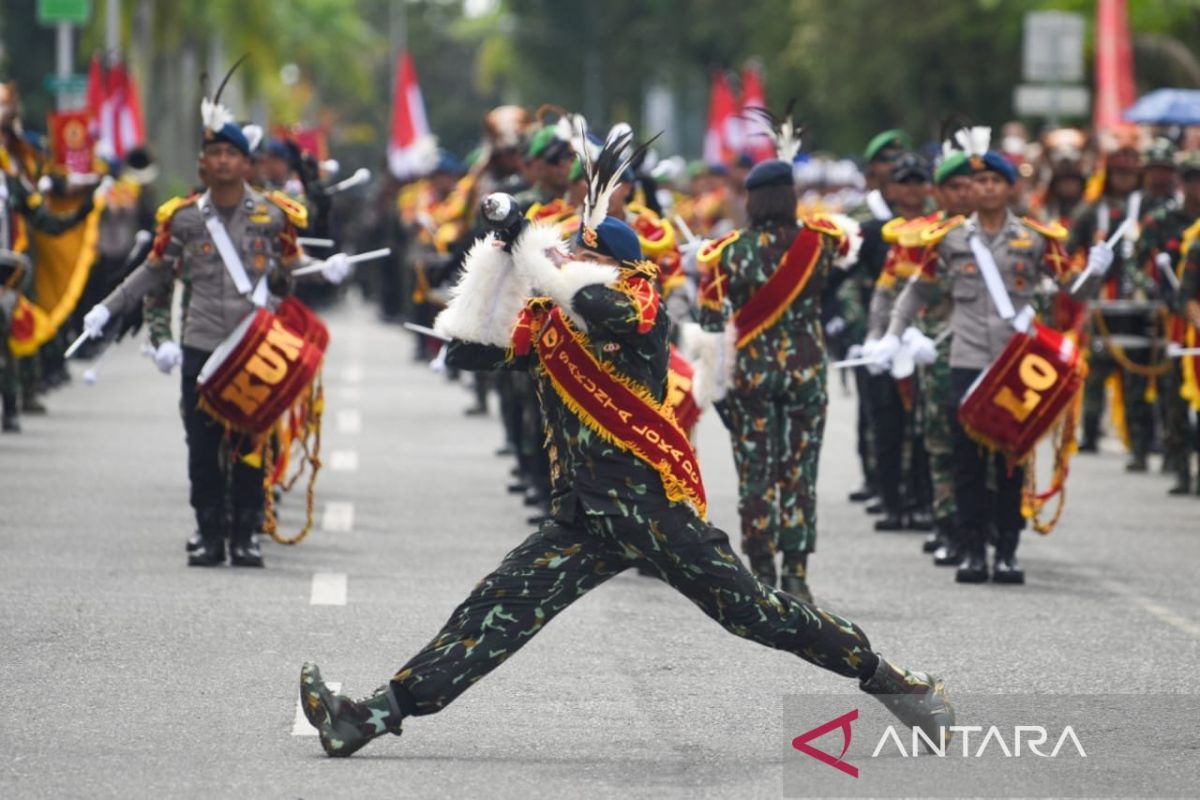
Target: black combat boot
[346, 725]
[243, 542]
[917, 699]
[863, 493]
[1137, 463]
[893, 520]
[973, 568]
[1091, 434]
[949, 552]
[206, 548]
[794, 578]
[920, 519]
[763, 567]
[1006, 568]
[1182, 477]
[12, 414]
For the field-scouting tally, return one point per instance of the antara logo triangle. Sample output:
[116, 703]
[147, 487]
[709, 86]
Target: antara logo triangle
[801, 743]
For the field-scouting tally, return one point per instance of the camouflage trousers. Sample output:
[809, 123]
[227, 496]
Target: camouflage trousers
[560, 563]
[776, 448]
[937, 426]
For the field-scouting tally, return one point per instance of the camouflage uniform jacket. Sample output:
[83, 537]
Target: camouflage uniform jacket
[625, 331]
[790, 352]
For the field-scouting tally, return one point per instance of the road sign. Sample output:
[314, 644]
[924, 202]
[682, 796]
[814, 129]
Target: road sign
[65, 84]
[1053, 47]
[52, 12]
[1051, 101]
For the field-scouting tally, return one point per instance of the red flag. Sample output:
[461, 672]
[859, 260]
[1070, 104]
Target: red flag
[126, 111]
[1114, 64]
[410, 142]
[71, 143]
[758, 143]
[722, 121]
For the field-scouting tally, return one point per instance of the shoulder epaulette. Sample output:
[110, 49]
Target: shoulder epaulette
[891, 229]
[639, 269]
[823, 224]
[1050, 230]
[169, 208]
[657, 236]
[937, 231]
[554, 211]
[296, 211]
[710, 253]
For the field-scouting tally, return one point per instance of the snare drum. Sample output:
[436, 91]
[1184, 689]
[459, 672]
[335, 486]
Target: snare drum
[1023, 393]
[261, 369]
[1136, 328]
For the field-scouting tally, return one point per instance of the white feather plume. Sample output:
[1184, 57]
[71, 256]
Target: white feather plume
[214, 115]
[254, 136]
[974, 142]
[854, 240]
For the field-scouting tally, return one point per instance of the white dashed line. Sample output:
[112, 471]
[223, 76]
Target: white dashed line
[328, 589]
[344, 461]
[1162, 613]
[350, 393]
[352, 374]
[338, 517]
[300, 726]
[349, 421]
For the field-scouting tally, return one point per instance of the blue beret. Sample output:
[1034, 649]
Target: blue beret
[994, 162]
[770, 173]
[232, 134]
[614, 239]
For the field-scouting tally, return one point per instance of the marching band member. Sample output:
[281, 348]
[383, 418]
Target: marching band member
[231, 247]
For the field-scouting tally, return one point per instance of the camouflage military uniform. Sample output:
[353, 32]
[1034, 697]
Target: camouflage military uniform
[610, 512]
[776, 406]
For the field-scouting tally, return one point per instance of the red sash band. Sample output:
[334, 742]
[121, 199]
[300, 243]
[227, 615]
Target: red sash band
[767, 304]
[620, 412]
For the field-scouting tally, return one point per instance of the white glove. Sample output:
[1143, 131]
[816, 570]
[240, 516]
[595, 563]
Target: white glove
[1100, 258]
[923, 350]
[167, 356]
[336, 268]
[855, 351]
[102, 189]
[885, 349]
[835, 326]
[1163, 261]
[95, 320]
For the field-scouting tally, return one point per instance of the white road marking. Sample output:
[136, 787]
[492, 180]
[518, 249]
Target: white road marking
[349, 421]
[344, 461]
[350, 393]
[300, 726]
[1161, 612]
[338, 517]
[352, 374]
[328, 589]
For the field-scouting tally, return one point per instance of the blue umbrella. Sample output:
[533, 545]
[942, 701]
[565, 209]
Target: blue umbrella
[1167, 107]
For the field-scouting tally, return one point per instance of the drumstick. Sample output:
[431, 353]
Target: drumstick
[415, 328]
[309, 241]
[683, 226]
[862, 362]
[75, 345]
[382, 252]
[1174, 350]
[361, 175]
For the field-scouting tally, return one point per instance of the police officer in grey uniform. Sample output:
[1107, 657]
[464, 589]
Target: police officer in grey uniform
[1022, 251]
[193, 244]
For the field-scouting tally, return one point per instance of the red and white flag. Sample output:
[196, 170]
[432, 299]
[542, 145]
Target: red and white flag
[758, 141]
[412, 151]
[1114, 65]
[114, 109]
[724, 126]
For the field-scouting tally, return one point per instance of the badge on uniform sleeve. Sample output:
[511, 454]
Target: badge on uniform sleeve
[969, 268]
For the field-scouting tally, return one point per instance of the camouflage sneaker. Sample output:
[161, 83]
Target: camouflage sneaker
[916, 698]
[346, 725]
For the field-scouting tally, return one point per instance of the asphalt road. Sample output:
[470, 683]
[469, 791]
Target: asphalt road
[129, 675]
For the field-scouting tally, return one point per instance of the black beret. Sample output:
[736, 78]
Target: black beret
[770, 173]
